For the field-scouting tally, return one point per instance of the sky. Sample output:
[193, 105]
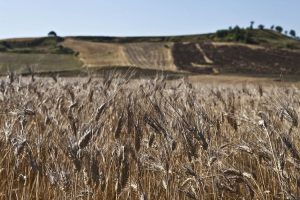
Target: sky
[30, 18]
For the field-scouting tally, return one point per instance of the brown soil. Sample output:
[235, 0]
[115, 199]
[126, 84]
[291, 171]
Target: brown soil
[244, 59]
[186, 56]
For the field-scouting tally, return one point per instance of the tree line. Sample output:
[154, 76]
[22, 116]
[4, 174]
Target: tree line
[243, 35]
[276, 28]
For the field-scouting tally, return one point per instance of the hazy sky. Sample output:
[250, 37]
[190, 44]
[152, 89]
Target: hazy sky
[24, 18]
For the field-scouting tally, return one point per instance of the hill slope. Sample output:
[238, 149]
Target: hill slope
[242, 51]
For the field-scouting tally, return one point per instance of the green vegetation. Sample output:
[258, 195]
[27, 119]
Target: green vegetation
[39, 62]
[261, 27]
[258, 36]
[279, 29]
[52, 34]
[251, 24]
[293, 33]
[47, 45]
[180, 38]
[237, 34]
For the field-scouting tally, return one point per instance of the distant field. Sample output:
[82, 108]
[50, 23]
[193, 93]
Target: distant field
[98, 54]
[148, 55]
[143, 55]
[39, 62]
[242, 51]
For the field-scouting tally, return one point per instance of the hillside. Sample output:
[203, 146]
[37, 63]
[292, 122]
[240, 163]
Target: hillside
[242, 52]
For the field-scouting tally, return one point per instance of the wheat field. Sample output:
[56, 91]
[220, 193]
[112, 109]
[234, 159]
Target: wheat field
[122, 138]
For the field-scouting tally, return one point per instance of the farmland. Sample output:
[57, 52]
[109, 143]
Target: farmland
[122, 138]
[267, 53]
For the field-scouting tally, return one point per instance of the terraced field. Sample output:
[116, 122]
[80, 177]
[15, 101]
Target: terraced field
[148, 55]
[142, 55]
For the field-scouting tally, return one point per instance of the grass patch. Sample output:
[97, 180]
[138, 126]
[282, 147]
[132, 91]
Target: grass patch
[39, 62]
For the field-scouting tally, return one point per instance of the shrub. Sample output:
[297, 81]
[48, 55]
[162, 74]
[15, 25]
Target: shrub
[222, 33]
[261, 27]
[52, 34]
[293, 33]
[279, 29]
